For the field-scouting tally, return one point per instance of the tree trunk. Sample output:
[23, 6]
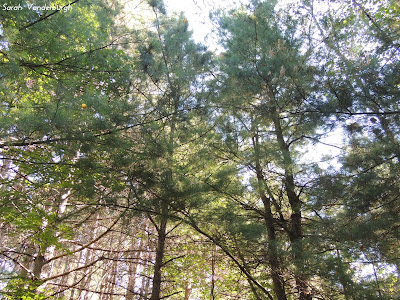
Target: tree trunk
[273, 260]
[112, 277]
[213, 273]
[188, 289]
[146, 281]
[134, 265]
[38, 265]
[162, 234]
[296, 233]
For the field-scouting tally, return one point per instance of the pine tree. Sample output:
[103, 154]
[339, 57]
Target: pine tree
[133, 165]
[360, 59]
[171, 68]
[61, 73]
[269, 89]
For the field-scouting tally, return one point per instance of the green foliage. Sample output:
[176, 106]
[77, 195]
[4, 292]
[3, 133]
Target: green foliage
[24, 289]
[94, 116]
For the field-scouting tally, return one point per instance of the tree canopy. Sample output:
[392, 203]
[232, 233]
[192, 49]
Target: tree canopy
[138, 164]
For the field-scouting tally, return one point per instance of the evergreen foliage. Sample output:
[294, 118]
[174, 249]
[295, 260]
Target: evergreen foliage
[136, 164]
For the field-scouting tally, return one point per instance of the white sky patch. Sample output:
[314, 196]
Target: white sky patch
[326, 151]
[198, 15]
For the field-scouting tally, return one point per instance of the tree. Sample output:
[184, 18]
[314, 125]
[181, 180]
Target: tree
[136, 165]
[286, 96]
[263, 61]
[60, 80]
[363, 88]
[171, 67]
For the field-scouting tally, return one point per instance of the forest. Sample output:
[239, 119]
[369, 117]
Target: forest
[138, 163]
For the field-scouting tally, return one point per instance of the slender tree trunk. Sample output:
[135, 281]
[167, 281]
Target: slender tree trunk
[75, 278]
[134, 265]
[38, 264]
[63, 264]
[85, 283]
[296, 233]
[112, 277]
[87, 256]
[188, 289]
[273, 259]
[213, 254]
[146, 280]
[132, 279]
[162, 234]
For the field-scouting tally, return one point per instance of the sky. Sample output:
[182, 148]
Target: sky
[197, 13]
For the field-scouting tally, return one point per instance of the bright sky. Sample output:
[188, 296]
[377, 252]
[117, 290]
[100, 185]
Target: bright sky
[197, 13]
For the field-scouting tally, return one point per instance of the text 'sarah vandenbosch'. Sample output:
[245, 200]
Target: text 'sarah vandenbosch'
[31, 6]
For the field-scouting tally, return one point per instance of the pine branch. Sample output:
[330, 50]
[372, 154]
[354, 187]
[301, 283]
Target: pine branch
[46, 16]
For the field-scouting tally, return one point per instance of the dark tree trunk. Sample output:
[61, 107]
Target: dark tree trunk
[162, 234]
[273, 260]
[38, 265]
[295, 233]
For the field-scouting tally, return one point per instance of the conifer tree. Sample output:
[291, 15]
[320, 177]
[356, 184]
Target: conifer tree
[171, 68]
[269, 88]
[361, 66]
[132, 168]
[61, 74]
